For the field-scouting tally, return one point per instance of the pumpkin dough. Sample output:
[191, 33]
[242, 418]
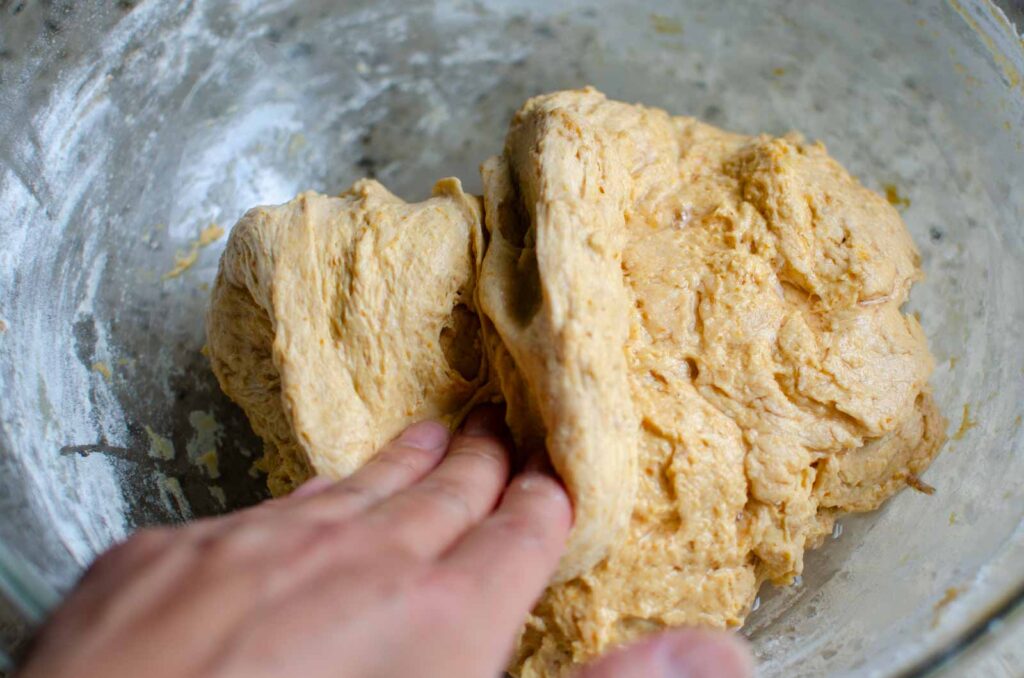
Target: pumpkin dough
[703, 329]
[773, 378]
[337, 322]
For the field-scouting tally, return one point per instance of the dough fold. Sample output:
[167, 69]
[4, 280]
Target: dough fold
[702, 329]
[337, 322]
[774, 379]
[551, 287]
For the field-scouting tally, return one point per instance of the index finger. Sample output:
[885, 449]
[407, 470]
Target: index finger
[399, 464]
[509, 557]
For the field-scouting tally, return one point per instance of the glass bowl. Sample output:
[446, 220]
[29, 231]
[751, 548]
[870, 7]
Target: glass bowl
[128, 129]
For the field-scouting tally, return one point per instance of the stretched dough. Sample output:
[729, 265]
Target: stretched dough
[551, 287]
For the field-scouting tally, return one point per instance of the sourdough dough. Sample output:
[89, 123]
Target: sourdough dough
[702, 328]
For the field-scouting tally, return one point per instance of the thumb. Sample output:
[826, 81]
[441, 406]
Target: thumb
[687, 653]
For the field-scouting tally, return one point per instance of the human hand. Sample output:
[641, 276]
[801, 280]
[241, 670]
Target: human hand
[421, 563]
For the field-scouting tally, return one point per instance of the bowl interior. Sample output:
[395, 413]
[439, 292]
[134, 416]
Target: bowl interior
[127, 131]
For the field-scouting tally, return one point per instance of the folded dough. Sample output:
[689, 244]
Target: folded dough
[702, 328]
[551, 287]
[772, 377]
[337, 322]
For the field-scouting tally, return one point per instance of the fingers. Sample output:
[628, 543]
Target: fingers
[398, 465]
[688, 653]
[430, 515]
[508, 559]
[128, 557]
[311, 487]
[108, 574]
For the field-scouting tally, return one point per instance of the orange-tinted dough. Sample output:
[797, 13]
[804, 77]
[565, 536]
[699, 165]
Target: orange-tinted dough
[702, 328]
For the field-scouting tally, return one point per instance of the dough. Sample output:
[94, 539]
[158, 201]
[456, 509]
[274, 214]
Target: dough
[773, 378]
[552, 288]
[702, 328]
[337, 322]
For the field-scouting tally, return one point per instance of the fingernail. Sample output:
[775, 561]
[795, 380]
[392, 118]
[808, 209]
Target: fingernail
[486, 420]
[312, 486]
[425, 435]
[711, 655]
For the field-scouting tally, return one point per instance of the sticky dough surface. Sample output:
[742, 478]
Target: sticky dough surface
[703, 329]
[338, 321]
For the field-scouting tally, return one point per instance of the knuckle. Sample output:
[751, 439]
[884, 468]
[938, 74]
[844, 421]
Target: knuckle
[407, 457]
[521, 530]
[239, 528]
[443, 596]
[402, 550]
[489, 450]
[223, 549]
[448, 495]
[354, 490]
[260, 511]
[388, 545]
[403, 459]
